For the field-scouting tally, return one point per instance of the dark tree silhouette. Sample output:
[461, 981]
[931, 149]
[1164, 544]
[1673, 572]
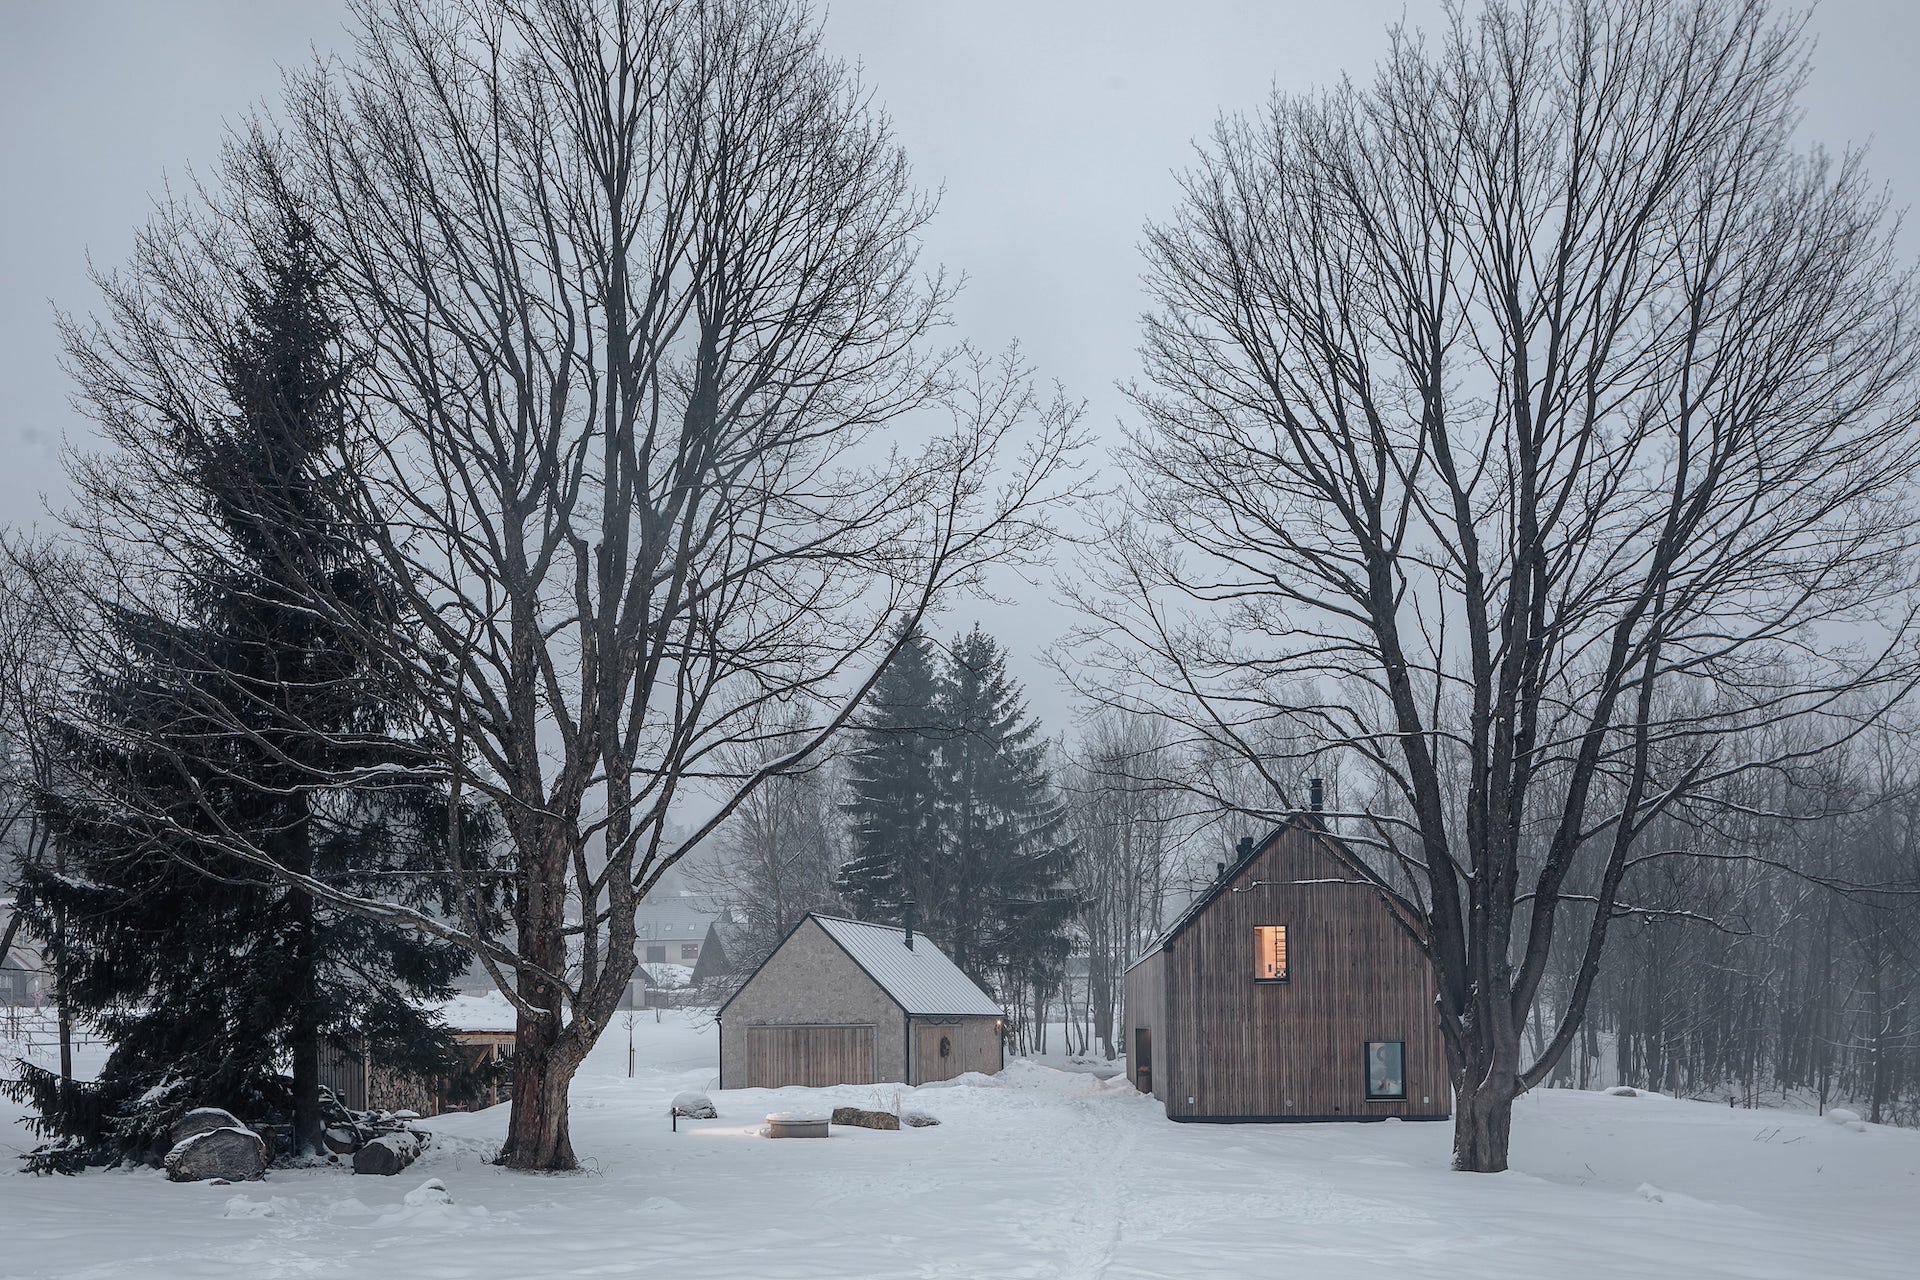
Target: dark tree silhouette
[220, 707]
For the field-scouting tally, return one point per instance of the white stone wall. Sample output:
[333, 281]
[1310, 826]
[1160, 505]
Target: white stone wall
[809, 979]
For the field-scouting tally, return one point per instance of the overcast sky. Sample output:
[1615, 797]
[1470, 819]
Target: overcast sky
[1052, 125]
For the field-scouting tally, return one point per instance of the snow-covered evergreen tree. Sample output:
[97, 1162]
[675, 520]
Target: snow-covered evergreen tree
[1006, 852]
[239, 718]
[953, 810]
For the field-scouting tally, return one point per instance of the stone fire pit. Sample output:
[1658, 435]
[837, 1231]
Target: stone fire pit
[796, 1124]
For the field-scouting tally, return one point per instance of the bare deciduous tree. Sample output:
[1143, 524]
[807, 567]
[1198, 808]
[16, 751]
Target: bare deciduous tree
[661, 447]
[1123, 810]
[37, 584]
[776, 858]
[1525, 429]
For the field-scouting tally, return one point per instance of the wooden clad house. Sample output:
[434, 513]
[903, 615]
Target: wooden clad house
[843, 1002]
[1288, 990]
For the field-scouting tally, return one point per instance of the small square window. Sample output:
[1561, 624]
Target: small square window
[1270, 953]
[1386, 1070]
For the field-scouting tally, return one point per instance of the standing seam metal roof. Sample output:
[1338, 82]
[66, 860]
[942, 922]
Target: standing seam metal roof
[922, 981]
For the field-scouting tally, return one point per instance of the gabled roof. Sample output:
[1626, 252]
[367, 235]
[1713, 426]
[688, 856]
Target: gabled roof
[731, 937]
[1224, 881]
[921, 979]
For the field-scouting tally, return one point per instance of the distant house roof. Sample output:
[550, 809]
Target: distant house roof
[921, 979]
[721, 954]
[676, 918]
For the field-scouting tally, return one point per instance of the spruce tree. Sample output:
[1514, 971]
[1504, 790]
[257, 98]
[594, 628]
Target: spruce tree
[1007, 852]
[894, 795]
[243, 716]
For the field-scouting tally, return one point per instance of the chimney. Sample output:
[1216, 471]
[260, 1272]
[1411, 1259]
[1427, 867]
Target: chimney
[1219, 871]
[1316, 793]
[909, 923]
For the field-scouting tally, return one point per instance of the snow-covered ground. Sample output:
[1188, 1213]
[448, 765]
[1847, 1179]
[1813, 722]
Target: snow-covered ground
[1038, 1173]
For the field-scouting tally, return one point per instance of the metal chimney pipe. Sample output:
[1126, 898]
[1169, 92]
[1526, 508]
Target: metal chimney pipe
[909, 923]
[1316, 794]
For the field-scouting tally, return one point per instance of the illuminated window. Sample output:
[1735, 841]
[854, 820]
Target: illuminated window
[1270, 953]
[1386, 1070]
[689, 951]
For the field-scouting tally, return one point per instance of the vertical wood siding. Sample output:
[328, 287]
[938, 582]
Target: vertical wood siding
[1293, 1049]
[815, 1056]
[1146, 1009]
[973, 1044]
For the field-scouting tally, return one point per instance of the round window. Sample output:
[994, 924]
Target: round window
[946, 1047]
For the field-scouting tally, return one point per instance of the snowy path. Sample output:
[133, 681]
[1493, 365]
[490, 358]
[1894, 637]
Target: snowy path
[1037, 1174]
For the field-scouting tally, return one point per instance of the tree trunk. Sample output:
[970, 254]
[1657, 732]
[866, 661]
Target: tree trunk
[303, 1035]
[304, 1041]
[1100, 1004]
[1486, 1080]
[1481, 1130]
[538, 1138]
[544, 1057]
[60, 990]
[308, 1126]
[1482, 1125]
[1877, 1089]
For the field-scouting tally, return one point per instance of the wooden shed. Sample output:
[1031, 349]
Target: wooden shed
[844, 1002]
[1290, 990]
[482, 1030]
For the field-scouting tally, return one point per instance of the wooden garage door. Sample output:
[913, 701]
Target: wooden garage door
[809, 1055]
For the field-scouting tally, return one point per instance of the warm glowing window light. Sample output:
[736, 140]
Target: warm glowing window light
[1270, 953]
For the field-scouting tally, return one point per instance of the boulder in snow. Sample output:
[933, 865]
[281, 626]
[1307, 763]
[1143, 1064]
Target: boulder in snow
[389, 1153]
[1623, 1091]
[201, 1120]
[695, 1105]
[920, 1119]
[233, 1153]
[1846, 1119]
[859, 1119]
